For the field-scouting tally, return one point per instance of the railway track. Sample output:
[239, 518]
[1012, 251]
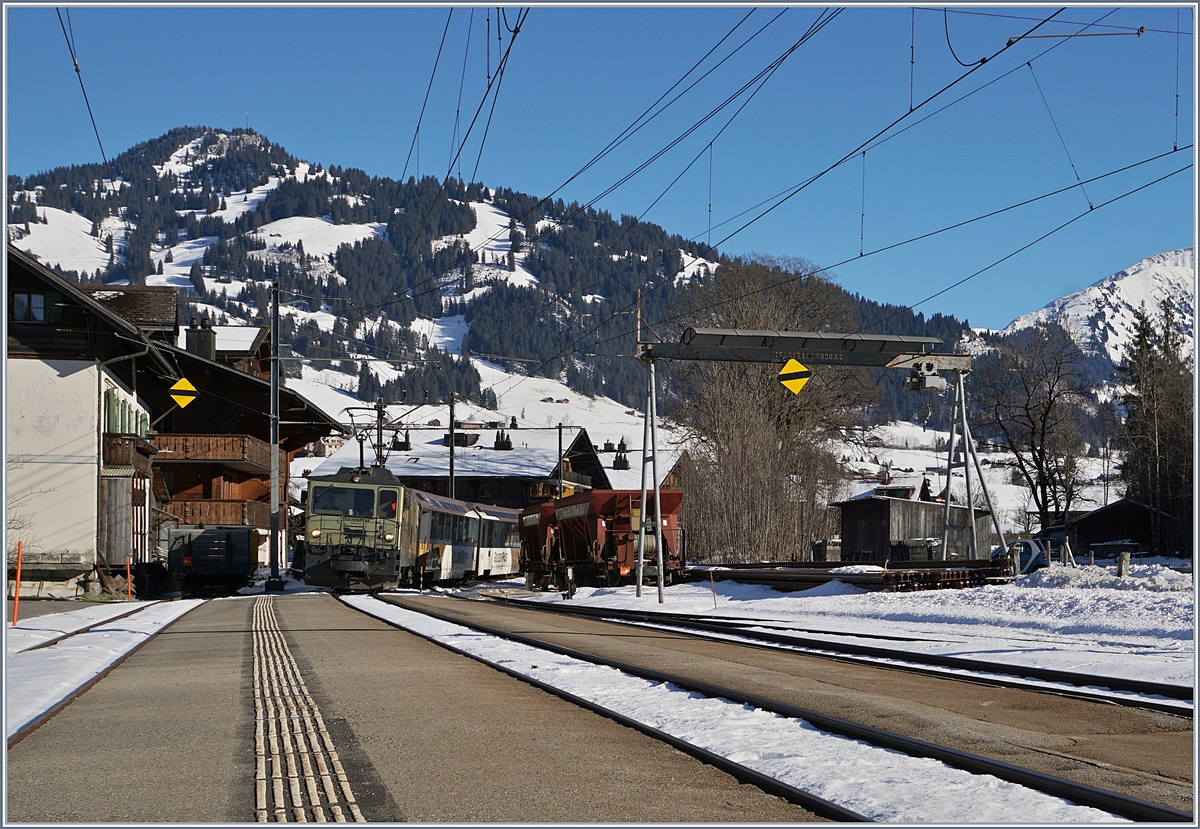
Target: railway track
[1093, 797]
[1155, 696]
[35, 694]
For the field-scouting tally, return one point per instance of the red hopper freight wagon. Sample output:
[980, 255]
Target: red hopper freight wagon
[591, 539]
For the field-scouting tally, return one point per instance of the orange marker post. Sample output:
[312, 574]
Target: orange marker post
[712, 580]
[17, 589]
[128, 583]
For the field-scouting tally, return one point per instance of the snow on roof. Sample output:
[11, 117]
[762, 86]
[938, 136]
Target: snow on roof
[229, 337]
[534, 453]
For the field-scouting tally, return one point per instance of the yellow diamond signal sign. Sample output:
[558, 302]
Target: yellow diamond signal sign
[794, 376]
[183, 387]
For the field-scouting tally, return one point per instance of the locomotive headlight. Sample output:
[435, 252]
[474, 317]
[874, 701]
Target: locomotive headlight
[389, 537]
[316, 532]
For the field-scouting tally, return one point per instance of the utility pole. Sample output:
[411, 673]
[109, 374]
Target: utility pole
[274, 583]
[451, 444]
[560, 462]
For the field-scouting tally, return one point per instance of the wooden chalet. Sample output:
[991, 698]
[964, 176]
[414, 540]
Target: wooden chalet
[494, 462]
[101, 459]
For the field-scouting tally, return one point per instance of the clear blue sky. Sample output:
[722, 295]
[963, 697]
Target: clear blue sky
[345, 86]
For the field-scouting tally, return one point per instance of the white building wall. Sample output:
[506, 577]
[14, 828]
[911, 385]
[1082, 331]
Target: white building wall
[54, 422]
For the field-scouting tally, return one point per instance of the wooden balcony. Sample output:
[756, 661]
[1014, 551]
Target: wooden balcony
[241, 513]
[241, 452]
[125, 451]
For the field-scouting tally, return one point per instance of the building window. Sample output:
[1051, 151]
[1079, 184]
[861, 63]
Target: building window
[29, 308]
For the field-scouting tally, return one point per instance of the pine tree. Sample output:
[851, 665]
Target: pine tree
[196, 275]
[1157, 435]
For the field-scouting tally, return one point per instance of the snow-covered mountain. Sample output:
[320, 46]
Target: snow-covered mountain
[1101, 316]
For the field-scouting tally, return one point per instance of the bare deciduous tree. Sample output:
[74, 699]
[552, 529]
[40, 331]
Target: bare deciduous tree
[1031, 393]
[763, 469]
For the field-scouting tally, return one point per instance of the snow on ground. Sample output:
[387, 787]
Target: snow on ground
[489, 240]
[445, 332]
[321, 237]
[907, 453]
[693, 266]
[37, 680]
[1078, 619]
[881, 784]
[1082, 619]
[38, 629]
[66, 240]
[177, 273]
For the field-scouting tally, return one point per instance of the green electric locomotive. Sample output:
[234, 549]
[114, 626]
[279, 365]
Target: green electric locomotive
[355, 535]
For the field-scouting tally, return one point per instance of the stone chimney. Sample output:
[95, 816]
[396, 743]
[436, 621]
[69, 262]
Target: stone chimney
[202, 340]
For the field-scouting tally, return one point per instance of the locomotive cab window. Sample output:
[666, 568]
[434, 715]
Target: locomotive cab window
[342, 500]
[387, 503]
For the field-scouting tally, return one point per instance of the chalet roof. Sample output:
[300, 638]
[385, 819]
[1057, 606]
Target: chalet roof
[866, 497]
[151, 307]
[134, 340]
[1115, 506]
[534, 455]
[234, 340]
[294, 408]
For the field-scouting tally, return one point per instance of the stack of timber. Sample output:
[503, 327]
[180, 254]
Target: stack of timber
[903, 576]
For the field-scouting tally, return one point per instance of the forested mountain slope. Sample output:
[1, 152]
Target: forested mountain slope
[371, 267]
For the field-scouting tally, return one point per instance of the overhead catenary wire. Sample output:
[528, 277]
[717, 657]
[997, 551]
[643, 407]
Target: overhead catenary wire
[646, 117]
[923, 236]
[421, 116]
[1177, 36]
[1025, 247]
[522, 15]
[1129, 29]
[883, 140]
[70, 39]
[822, 20]
[640, 122]
[912, 58]
[1060, 135]
[461, 82]
[862, 221]
[981, 61]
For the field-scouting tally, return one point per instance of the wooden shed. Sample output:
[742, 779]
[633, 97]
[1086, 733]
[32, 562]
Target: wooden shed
[1124, 520]
[880, 528]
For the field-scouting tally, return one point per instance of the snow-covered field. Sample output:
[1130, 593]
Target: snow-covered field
[1083, 619]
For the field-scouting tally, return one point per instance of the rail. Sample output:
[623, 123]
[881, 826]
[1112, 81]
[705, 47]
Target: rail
[1114, 802]
[1070, 683]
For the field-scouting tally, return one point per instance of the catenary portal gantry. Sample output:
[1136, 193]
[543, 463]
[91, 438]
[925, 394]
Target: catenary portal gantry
[914, 354]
